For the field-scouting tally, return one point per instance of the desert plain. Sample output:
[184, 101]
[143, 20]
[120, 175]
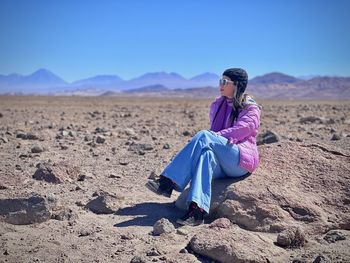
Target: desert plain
[73, 173]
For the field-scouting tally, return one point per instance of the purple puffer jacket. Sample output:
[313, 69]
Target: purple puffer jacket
[243, 132]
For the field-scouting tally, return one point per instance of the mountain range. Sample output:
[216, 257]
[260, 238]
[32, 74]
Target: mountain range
[272, 85]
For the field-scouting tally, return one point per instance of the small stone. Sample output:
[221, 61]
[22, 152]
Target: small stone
[334, 236]
[221, 223]
[129, 132]
[267, 137]
[186, 133]
[153, 252]
[166, 146]
[32, 136]
[64, 147]
[88, 138]
[81, 177]
[114, 176]
[100, 139]
[320, 259]
[1, 115]
[4, 139]
[184, 251]
[37, 149]
[79, 203]
[138, 259]
[72, 134]
[336, 137]
[182, 231]
[292, 237]
[84, 233]
[64, 133]
[123, 162]
[21, 135]
[163, 225]
[104, 204]
[3, 187]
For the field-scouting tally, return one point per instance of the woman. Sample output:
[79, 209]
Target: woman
[228, 149]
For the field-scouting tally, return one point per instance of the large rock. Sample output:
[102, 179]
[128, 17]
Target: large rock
[236, 245]
[162, 226]
[104, 204]
[56, 173]
[295, 185]
[24, 211]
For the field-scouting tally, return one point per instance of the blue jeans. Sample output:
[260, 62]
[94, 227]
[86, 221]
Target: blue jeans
[207, 156]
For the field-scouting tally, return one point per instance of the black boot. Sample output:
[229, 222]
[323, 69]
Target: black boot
[193, 217]
[162, 186]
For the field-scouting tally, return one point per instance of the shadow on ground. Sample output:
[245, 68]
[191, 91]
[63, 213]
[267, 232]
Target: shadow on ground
[148, 213]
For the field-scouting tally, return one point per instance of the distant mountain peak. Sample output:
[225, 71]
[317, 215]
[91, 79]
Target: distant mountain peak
[273, 78]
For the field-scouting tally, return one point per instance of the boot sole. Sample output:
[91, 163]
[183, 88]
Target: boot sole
[152, 186]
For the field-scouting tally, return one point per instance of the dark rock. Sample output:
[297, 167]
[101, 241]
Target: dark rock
[3, 187]
[123, 162]
[32, 136]
[37, 149]
[166, 146]
[114, 176]
[24, 211]
[267, 137]
[81, 177]
[336, 137]
[320, 259]
[186, 133]
[334, 236]
[100, 139]
[138, 259]
[21, 135]
[184, 251]
[64, 147]
[311, 119]
[299, 260]
[163, 225]
[72, 134]
[100, 130]
[1, 115]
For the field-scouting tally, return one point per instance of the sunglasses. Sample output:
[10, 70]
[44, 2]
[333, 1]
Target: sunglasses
[224, 82]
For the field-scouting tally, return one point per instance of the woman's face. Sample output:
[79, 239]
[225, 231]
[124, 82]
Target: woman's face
[227, 88]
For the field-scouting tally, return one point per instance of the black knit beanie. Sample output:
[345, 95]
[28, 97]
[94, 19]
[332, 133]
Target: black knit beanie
[237, 75]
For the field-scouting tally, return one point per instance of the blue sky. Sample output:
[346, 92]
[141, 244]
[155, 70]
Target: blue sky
[79, 39]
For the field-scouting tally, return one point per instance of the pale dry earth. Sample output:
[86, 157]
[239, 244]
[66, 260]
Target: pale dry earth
[100, 146]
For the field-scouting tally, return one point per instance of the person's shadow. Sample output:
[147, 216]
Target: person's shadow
[148, 213]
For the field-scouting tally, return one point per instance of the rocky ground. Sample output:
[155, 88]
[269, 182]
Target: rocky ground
[73, 170]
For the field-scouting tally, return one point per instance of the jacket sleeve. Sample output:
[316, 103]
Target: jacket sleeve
[244, 126]
[213, 109]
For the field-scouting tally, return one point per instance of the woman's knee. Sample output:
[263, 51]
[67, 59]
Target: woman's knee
[201, 135]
